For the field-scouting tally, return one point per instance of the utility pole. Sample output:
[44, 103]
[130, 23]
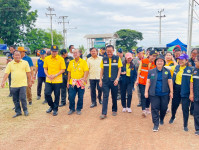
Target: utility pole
[51, 18]
[160, 16]
[190, 25]
[64, 28]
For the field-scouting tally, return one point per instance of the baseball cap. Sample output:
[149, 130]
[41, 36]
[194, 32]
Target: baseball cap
[153, 52]
[183, 56]
[139, 49]
[54, 48]
[128, 55]
[120, 50]
[42, 52]
[63, 51]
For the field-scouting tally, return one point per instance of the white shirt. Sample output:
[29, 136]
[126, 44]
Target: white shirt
[94, 67]
[70, 54]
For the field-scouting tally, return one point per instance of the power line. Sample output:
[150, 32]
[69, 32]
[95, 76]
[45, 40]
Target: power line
[160, 17]
[64, 28]
[51, 18]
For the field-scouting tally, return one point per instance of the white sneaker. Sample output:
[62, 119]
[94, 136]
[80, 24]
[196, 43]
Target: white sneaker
[144, 113]
[124, 110]
[129, 110]
[148, 111]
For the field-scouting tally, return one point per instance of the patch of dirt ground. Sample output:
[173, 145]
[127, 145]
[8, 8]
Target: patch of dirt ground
[126, 131]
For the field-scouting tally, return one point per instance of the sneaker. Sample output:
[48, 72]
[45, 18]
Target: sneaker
[79, 112]
[155, 128]
[103, 116]
[26, 113]
[49, 110]
[44, 102]
[171, 120]
[114, 113]
[129, 110]
[38, 97]
[161, 122]
[71, 112]
[124, 110]
[197, 133]
[144, 113]
[16, 115]
[186, 129]
[55, 113]
[148, 111]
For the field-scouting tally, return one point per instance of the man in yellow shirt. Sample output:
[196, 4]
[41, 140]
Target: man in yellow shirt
[20, 72]
[77, 78]
[109, 77]
[54, 66]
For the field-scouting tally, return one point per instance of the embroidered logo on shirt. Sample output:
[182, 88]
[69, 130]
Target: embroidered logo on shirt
[105, 62]
[195, 72]
[166, 73]
[189, 71]
[114, 61]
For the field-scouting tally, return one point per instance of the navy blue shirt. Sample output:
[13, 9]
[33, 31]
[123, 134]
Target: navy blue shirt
[28, 59]
[158, 89]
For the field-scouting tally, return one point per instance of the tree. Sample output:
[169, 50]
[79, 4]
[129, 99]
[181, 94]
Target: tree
[16, 20]
[39, 38]
[128, 39]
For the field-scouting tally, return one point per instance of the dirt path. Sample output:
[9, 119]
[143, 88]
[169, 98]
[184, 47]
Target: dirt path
[41, 131]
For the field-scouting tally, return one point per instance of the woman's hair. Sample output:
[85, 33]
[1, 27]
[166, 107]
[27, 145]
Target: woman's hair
[131, 64]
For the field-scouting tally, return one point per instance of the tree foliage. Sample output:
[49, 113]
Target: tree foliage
[16, 20]
[128, 39]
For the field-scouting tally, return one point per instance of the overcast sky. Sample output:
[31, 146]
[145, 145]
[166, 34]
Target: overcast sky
[109, 16]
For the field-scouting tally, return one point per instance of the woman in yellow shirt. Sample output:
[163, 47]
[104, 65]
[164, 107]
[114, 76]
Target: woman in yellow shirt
[128, 77]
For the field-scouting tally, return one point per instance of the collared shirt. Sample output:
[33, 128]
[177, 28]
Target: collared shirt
[128, 70]
[179, 74]
[67, 60]
[10, 56]
[110, 60]
[36, 65]
[77, 69]
[54, 66]
[29, 60]
[18, 70]
[94, 67]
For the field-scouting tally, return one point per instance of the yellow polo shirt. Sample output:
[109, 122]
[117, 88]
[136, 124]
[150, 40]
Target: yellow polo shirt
[77, 69]
[179, 74]
[54, 66]
[110, 60]
[18, 70]
[128, 70]
[36, 65]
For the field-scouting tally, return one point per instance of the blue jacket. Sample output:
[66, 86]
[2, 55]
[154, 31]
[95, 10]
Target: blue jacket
[186, 76]
[133, 73]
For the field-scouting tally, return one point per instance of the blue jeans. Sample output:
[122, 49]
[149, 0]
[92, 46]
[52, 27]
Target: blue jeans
[72, 94]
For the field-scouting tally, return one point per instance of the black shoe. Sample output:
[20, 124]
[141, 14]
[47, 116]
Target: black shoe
[93, 105]
[161, 122]
[114, 113]
[30, 103]
[186, 129]
[171, 120]
[100, 101]
[79, 112]
[139, 105]
[49, 110]
[44, 102]
[62, 105]
[155, 128]
[10, 95]
[38, 97]
[55, 113]
[71, 112]
[16, 115]
[26, 113]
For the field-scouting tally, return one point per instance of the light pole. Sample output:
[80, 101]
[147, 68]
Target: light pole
[160, 16]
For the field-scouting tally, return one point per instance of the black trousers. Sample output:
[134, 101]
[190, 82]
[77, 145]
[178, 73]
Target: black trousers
[49, 88]
[106, 87]
[192, 108]
[64, 90]
[144, 101]
[39, 85]
[119, 90]
[159, 105]
[93, 85]
[126, 87]
[9, 80]
[176, 102]
[196, 115]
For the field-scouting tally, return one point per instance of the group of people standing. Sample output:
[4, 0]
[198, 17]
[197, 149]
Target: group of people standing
[158, 79]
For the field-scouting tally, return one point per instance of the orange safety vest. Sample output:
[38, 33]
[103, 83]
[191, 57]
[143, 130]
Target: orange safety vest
[144, 70]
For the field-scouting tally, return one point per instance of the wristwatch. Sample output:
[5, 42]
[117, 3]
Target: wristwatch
[117, 79]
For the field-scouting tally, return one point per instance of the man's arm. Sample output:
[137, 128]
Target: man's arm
[101, 75]
[36, 70]
[69, 76]
[118, 76]
[191, 97]
[139, 70]
[29, 79]
[5, 77]
[147, 88]
[170, 82]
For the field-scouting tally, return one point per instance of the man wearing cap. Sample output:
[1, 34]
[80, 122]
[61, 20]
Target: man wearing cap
[9, 59]
[20, 78]
[54, 66]
[77, 78]
[159, 87]
[103, 52]
[121, 55]
[181, 86]
[177, 53]
[39, 72]
[64, 89]
[94, 76]
[145, 65]
[29, 60]
[109, 77]
[136, 62]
